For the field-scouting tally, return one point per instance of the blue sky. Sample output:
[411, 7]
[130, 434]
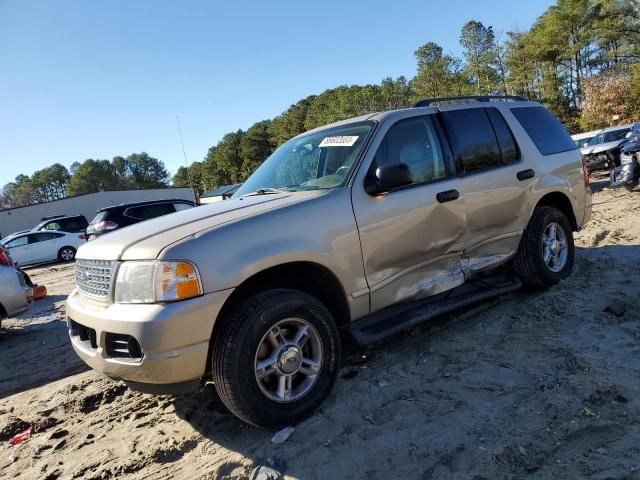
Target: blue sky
[95, 79]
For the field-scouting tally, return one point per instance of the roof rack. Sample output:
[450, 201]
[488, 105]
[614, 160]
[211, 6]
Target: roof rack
[478, 98]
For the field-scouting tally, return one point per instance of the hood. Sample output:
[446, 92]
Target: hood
[603, 147]
[146, 240]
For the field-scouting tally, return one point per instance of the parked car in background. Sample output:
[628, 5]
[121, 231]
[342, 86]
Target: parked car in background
[582, 139]
[368, 226]
[40, 247]
[602, 152]
[73, 224]
[15, 294]
[631, 148]
[112, 218]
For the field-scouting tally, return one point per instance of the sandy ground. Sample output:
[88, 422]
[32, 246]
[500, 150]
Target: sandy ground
[536, 385]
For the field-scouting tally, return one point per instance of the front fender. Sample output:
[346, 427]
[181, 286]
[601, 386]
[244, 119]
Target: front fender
[321, 230]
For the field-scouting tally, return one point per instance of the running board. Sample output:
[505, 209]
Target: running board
[394, 319]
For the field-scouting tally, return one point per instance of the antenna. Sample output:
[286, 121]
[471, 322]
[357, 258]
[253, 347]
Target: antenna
[186, 163]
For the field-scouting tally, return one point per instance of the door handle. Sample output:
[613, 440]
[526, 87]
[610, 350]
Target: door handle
[526, 174]
[447, 196]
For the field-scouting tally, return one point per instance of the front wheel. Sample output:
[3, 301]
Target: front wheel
[66, 254]
[275, 358]
[546, 252]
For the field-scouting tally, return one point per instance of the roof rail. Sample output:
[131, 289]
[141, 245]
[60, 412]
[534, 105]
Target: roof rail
[478, 98]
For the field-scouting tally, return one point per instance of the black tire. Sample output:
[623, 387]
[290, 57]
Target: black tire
[64, 251]
[529, 262]
[236, 342]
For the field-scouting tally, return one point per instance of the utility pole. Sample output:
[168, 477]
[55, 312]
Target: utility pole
[186, 163]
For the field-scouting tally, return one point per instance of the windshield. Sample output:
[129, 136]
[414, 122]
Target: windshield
[606, 137]
[582, 142]
[313, 161]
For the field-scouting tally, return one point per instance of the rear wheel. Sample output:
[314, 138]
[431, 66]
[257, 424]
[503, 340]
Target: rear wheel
[276, 358]
[546, 252]
[66, 254]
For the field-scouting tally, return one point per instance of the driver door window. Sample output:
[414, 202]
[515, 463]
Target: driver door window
[413, 142]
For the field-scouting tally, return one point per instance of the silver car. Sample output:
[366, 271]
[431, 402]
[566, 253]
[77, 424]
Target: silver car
[602, 152]
[15, 294]
[367, 227]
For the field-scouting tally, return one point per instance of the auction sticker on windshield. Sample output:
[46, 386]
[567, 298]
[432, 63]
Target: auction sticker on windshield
[339, 141]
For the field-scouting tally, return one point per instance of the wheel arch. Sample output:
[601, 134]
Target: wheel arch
[562, 202]
[309, 277]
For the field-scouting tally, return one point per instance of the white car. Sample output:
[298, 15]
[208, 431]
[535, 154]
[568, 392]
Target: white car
[39, 247]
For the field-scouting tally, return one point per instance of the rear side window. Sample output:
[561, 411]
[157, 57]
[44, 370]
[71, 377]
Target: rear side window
[71, 224]
[506, 142]
[43, 237]
[150, 211]
[52, 226]
[472, 138]
[545, 130]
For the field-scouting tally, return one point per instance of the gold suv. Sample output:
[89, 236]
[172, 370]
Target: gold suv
[364, 227]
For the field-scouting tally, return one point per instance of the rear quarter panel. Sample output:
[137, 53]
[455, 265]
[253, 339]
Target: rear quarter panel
[561, 172]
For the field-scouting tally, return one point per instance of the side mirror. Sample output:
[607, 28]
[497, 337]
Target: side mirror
[387, 178]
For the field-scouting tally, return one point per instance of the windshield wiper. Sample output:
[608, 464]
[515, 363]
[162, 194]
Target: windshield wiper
[265, 191]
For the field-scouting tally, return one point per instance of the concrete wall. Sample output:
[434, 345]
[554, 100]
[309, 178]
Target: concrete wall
[23, 218]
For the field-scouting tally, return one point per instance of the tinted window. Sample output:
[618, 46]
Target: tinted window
[472, 139]
[506, 142]
[545, 130]
[182, 206]
[18, 242]
[43, 237]
[150, 211]
[72, 224]
[615, 135]
[413, 142]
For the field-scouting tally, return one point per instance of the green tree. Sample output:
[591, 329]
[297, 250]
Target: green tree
[146, 171]
[223, 164]
[255, 146]
[92, 176]
[190, 178]
[49, 183]
[290, 123]
[478, 43]
[122, 171]
[435, 77]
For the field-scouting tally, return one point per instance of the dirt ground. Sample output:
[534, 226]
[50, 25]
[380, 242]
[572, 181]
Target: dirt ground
[536, 385]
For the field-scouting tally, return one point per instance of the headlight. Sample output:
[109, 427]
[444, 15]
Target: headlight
[156, 281]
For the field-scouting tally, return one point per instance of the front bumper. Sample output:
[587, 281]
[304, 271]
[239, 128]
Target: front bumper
[173, 338]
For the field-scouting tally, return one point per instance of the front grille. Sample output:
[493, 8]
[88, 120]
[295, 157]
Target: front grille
[93, 277]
